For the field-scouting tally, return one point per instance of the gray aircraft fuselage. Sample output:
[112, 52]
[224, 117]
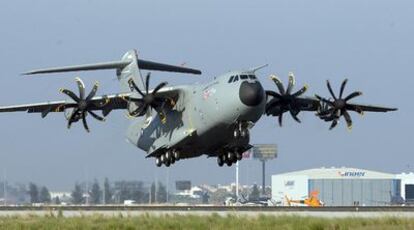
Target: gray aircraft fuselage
[204, 117]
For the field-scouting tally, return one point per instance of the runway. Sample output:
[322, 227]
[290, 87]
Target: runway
[136, 210]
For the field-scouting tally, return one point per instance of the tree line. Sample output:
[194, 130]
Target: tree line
[86, 193]
[118, 192]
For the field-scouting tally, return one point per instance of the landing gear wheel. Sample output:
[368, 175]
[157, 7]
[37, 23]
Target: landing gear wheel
[162, 158]
[223, 157]
[244, 133]
[167, 163]
[220, 161]
[172, 159]
[236, 133]
[158, 162]
[176, 155]
[229, 163]
[230, 156]
[234, 159]
[239, 156]
[168, 155]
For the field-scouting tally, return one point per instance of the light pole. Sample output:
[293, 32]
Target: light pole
[264, 152]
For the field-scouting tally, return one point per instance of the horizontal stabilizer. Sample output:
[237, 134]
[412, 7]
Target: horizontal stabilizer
[142, 64]
[149, 65]
[97, 66]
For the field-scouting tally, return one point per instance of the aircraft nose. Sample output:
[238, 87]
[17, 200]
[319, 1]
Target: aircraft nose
[251, 94]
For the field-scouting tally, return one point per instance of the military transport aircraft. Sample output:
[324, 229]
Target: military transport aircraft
[188, 121]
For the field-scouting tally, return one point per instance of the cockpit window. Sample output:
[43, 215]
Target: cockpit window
[235, 78]
[243, 77]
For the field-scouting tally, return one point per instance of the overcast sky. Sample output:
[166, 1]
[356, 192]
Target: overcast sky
[369, 42]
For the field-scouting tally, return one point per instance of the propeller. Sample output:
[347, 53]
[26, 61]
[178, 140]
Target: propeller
[148, 100]
[285, 100]
[84, 104]
[333, 110]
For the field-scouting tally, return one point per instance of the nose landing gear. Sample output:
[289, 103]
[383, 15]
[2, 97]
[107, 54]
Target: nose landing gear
[241, 130]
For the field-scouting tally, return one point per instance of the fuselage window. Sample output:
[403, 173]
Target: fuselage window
[231, 79]
[243, 77]
[252, 77]
[236, 78]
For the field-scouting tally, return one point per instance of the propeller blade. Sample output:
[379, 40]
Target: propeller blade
[85, 124]
[271, 104]
[338, 113]
[147, 80]
[278, 83]
[93, 92]
[342, 88]
[294, 116]
[334, 123]
[352, 95]
[81, 87]
[161, 85]
[359, 110]
[70, 94]
[291, 83]
[72, 117]
[348, 119]
[136, 88]
[324, 99]
[140, 110]
[301, 91]
[330, 89]
[273, 94]
[325, 112]
[280, 119]
[96, 116]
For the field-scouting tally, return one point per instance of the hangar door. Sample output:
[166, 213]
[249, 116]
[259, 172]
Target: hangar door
[409, 192]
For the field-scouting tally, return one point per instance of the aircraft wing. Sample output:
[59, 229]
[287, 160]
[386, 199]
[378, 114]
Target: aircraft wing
[368, 108]
[313, 104]
[104, 103]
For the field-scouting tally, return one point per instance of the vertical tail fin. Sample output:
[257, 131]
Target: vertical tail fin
[131, 71]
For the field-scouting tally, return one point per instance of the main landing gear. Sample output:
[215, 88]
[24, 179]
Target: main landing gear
[168, 158]
[229, 158]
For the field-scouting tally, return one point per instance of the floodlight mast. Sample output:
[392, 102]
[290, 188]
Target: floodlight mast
[263, 176]
[237, 180]
[264, 152]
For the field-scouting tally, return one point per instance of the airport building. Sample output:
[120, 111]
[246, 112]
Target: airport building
[344, 186]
